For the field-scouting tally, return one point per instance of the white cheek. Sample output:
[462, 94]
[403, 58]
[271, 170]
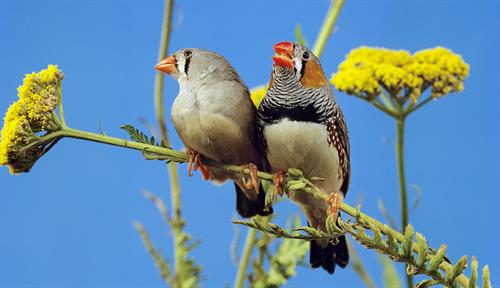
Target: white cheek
[298, 64]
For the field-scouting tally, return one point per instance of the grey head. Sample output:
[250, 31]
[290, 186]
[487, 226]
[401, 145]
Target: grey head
[200, 65]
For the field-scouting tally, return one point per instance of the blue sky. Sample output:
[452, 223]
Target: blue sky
[68, 222]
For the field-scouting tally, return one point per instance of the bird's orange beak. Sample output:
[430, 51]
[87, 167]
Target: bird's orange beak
[167, 65]
[284, 54]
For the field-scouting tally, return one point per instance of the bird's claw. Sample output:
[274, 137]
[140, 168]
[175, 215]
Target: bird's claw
[334, 199]
[195, 164]
[279, 180]
[253, 182]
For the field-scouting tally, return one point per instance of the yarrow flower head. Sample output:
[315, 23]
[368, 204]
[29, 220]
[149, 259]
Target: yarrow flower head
[40, 94]
[31, 115]
[367, 71]
[257, 94]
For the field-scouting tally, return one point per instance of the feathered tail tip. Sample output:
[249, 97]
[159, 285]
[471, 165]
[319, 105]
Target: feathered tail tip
[330, 255]
[248, 208]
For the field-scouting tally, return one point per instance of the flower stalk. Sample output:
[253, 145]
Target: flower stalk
[328, 26]
[393, 81]
[177, 222]
[250, 242]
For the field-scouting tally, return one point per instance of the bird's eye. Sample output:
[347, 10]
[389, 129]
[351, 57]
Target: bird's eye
[187, 53]
[305, 56]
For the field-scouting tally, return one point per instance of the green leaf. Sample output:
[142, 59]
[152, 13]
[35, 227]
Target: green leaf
[426, 283]
[486, 277]
[137, 135]
[295, 172]
[437, 259]
[408, 242]
[161, 264]
[473, 275]
[330, 225]
[385, 213]
[422, 250]
[391, 278]
[295, 185]
[299, 37]
[458, 269]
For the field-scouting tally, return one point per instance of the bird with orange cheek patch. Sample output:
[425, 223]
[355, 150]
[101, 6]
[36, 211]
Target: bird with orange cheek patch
[215, 119]
[301, 126]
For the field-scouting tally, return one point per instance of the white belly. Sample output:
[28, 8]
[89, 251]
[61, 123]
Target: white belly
[209, 126]
[303, 145]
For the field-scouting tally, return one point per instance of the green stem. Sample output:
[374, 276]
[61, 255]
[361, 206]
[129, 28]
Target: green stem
[60, 105]
[387, 101]
[359, 268]
[387, 110]
[94, 137]
[400, 123]
[412, 108]
[175, 191]
[162, 53]
[326, 28]
[245, 258]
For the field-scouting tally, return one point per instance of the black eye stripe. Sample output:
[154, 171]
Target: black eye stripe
[302, 68]
[186, 65]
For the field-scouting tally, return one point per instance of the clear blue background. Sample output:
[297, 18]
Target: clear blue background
[68, 222]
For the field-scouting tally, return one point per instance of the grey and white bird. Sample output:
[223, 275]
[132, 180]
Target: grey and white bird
[301, 126]
[216, 119]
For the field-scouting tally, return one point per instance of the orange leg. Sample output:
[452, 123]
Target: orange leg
[253, 182]
[195, 163]
[334, 199]
[192, 156]
[279, 180]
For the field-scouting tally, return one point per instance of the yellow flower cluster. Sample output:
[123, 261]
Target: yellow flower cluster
[366, 71]
[40, 93]
[33, 112]
[257, 94]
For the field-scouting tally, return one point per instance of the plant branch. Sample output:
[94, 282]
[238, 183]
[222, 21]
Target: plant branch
[294, 177]
[327, 27]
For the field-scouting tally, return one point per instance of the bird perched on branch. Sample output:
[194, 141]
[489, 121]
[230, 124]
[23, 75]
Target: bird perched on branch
[301, 126]
[215, 119]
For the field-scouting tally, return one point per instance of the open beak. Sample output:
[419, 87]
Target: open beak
[284, 54]
[167, 65]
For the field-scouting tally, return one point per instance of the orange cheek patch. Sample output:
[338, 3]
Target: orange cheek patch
[313, 76]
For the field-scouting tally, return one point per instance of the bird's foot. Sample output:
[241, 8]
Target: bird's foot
[279, 180]
[195, 164]
[253, 182]
[334, 199]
